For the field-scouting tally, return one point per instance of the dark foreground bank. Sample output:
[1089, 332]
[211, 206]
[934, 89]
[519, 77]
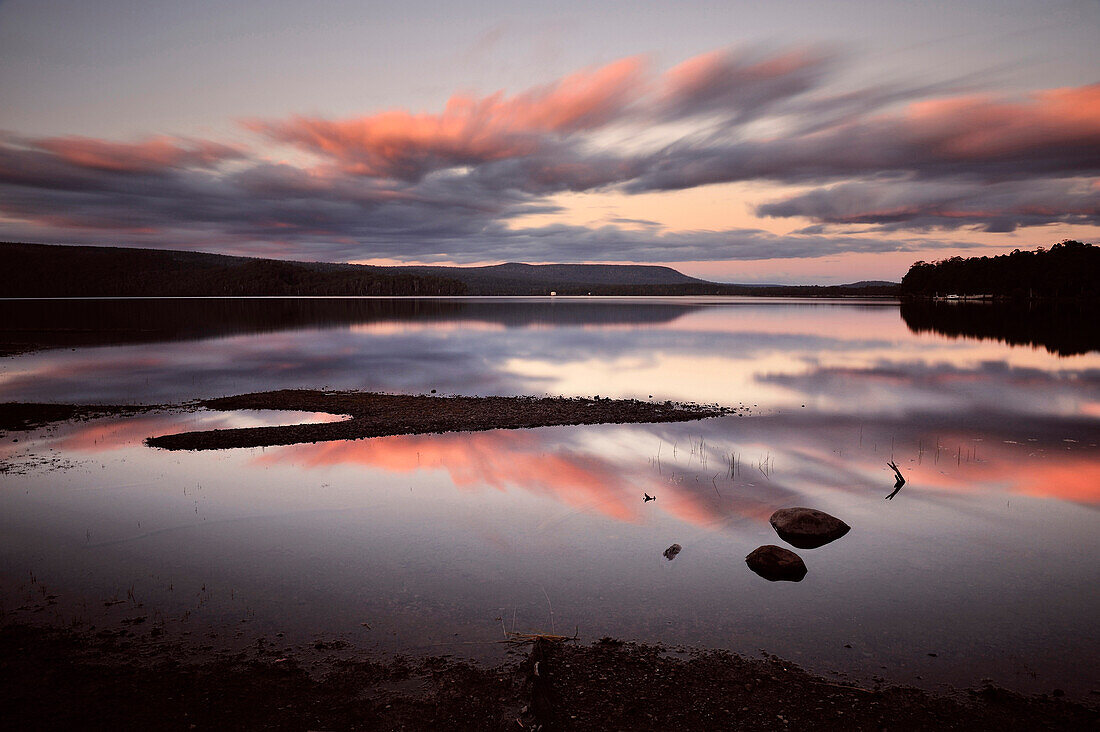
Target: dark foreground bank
[62, 679]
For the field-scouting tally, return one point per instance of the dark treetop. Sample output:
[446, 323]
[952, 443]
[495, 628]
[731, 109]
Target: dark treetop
[1066, 270]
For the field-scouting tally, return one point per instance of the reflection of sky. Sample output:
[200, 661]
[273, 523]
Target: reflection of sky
[419, 533]
[978, 558]
[839, 358]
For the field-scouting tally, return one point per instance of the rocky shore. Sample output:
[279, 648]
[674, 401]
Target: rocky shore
[128, 679]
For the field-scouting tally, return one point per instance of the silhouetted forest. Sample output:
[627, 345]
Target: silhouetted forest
[1066, 328]
[40, 270]
[36, 270]
[719, 288]
[1066, 270]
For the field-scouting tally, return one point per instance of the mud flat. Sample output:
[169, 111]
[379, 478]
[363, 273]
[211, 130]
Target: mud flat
[371, 414]
[376, 415]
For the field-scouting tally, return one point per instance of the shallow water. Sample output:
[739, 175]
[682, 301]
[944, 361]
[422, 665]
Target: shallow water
[435, 543]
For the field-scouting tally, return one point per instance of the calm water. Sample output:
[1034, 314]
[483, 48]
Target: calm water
[429, 544]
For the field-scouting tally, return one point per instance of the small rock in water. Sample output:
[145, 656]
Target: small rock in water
[672, 551]
[807, 528]
[774, 563]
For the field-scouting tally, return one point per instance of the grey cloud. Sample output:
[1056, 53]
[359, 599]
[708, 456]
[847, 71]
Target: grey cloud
[741, 86]
[438, 196]
[974, 138]
[263, 208]
[913, 204]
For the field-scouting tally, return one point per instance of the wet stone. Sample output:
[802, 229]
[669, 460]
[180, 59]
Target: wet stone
[807, 528]
[774, 563]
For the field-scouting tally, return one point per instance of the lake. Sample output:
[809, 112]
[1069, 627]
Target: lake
[983, 566]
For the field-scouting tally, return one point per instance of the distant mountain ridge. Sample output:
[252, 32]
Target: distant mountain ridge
[518, 278]
[871, 283]
[848, 285]
[603, 274]
[56, 270]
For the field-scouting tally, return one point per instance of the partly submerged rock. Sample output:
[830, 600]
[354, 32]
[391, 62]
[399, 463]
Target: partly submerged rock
[807, 528]
[672, 551]
[775, 563]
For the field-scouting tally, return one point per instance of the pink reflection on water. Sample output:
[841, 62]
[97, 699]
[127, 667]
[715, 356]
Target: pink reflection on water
[114, 433]
[500, 459]
[1065, 475]
[537, 462]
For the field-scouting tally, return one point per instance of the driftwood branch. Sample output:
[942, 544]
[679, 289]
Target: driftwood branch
[900, 481]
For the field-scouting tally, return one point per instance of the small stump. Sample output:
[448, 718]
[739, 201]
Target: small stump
[807, 528]
[774, 563]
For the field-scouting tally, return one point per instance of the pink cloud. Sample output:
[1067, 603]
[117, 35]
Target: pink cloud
[981, 127]
[470, 130]
[475, 130]
[137, 157]
[964, 161]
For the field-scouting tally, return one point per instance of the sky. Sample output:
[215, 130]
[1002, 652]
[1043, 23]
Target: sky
[787, 141]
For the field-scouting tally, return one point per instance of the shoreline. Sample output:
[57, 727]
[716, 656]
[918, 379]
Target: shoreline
[371, 414]
[60, 678]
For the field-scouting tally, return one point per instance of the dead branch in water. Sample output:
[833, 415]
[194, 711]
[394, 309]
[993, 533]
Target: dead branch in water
[900, 481]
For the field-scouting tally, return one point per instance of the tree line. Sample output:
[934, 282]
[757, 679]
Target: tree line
[35, 270]
[1069, 269]
[684, 289]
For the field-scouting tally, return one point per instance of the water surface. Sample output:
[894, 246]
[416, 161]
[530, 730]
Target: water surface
[432, 543]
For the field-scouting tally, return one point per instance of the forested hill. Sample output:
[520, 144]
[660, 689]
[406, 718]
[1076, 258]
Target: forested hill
[1066, 270]
[627, 279]
[40, 270]
[575, 279]
[48, 270]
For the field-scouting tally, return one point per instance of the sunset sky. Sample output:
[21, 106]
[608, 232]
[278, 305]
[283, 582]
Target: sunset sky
[786, 141]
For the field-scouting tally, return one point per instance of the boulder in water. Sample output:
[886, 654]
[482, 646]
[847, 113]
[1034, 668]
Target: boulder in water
[807, 528]
[774, 563]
